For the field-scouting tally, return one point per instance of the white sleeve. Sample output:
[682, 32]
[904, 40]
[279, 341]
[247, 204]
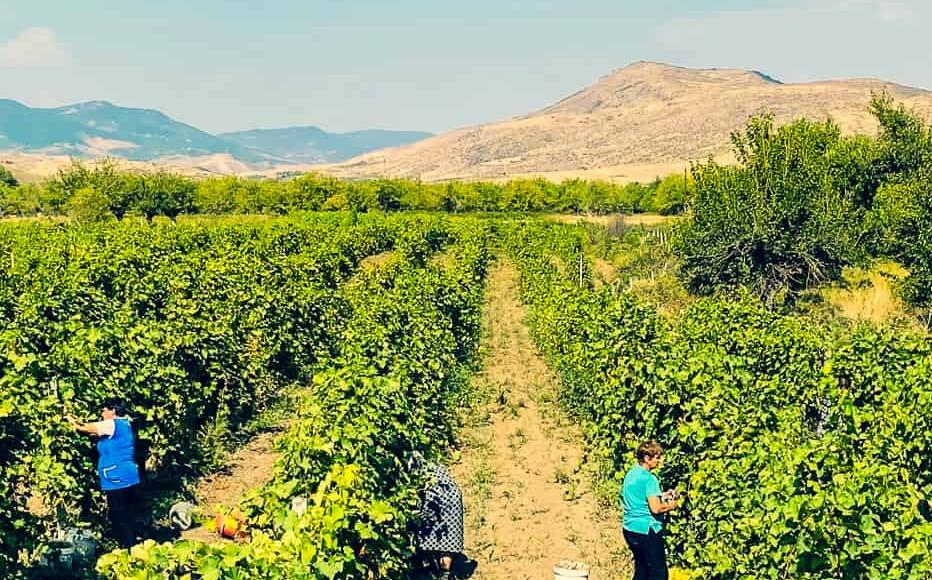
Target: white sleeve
[105, 428]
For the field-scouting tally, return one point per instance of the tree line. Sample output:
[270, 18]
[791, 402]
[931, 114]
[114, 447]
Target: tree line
[99, 191]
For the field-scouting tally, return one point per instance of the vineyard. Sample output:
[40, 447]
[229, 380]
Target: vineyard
[800, 446]
[799, 437]
[202, 326]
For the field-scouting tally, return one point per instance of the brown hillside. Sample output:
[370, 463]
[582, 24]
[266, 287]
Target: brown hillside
[637, 122]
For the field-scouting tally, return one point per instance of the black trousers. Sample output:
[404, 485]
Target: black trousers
[120, 504]
[650, 555]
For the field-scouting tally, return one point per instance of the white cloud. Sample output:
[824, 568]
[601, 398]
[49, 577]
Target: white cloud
[32, 48]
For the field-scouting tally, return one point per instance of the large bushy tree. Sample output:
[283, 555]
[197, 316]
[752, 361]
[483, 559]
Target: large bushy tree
[902, 209]
[164, 194]
[784, 218]
[104, 177]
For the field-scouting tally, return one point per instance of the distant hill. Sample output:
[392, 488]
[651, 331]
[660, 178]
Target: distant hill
[643, 120]
[99, 128]
[314, 145]
[637, 122]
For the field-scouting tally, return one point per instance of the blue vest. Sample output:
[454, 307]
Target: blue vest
[117, 467]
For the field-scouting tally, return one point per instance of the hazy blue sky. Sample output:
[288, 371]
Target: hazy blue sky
[424, 64]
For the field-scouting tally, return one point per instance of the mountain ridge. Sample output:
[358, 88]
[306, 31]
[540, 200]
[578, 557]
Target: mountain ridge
[311, 144]
[100, 128]
[635, 122]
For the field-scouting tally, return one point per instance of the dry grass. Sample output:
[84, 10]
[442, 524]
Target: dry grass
[375, 260]
[35, 168]
[868, 295]
[443, 258]
[638, 219]
[663, 291]
[244, 470]
[638, 122]
[605, 272]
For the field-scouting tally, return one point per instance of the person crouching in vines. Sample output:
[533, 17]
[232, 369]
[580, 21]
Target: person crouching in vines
[440, 532]
[643, 502]
[116, 467]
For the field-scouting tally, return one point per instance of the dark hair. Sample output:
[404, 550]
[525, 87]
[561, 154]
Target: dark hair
[648, 449]
[115, 404]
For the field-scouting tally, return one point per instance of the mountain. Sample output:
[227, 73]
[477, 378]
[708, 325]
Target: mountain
[99, 128]
[637, 122]
[314, 145]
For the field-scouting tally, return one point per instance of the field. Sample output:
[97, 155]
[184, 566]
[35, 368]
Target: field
[800, 444]
[773, 337]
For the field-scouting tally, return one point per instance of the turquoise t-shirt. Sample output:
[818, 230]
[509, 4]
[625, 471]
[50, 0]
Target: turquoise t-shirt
[639, 485]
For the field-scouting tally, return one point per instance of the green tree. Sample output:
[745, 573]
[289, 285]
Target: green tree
[905, 141]
[6, 177]
[362, 196]
[88, 205]
[163, 193]
[309, 192]
[216, 195]
[25, 200]
[775, 221]
[389, 193]
[672, 194]
[118, 187]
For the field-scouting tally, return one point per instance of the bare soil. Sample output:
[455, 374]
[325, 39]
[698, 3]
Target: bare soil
[247, 468]
[527, 505]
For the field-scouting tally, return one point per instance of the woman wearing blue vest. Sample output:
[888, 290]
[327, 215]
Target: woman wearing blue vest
[116, 468]
[643, 502]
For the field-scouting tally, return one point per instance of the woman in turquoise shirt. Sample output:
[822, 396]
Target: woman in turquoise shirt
[643, 502]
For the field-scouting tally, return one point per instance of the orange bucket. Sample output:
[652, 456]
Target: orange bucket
[230, 525]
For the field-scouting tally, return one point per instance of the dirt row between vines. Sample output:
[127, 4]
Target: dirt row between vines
[527, 508]
[244, 470]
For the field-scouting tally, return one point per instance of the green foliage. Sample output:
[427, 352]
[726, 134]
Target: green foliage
[6, 178]
[209, 321]
[902, 209]
[24, 200]
[193, 324]
[777, 221]
[903, 212]
[167, 194]
[309, 192]
[804, 201]
[905, 140]
[88, 205]
[670, 195]
[390, 389]
[161, 194]
[802, 449]
[104, 178]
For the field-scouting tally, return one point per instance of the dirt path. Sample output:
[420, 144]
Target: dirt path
[246, 469]
[526, 508]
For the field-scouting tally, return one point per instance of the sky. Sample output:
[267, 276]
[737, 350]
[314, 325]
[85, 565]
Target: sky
[429, 65]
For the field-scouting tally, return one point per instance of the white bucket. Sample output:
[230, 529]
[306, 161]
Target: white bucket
[570, 570]
[181, 515]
